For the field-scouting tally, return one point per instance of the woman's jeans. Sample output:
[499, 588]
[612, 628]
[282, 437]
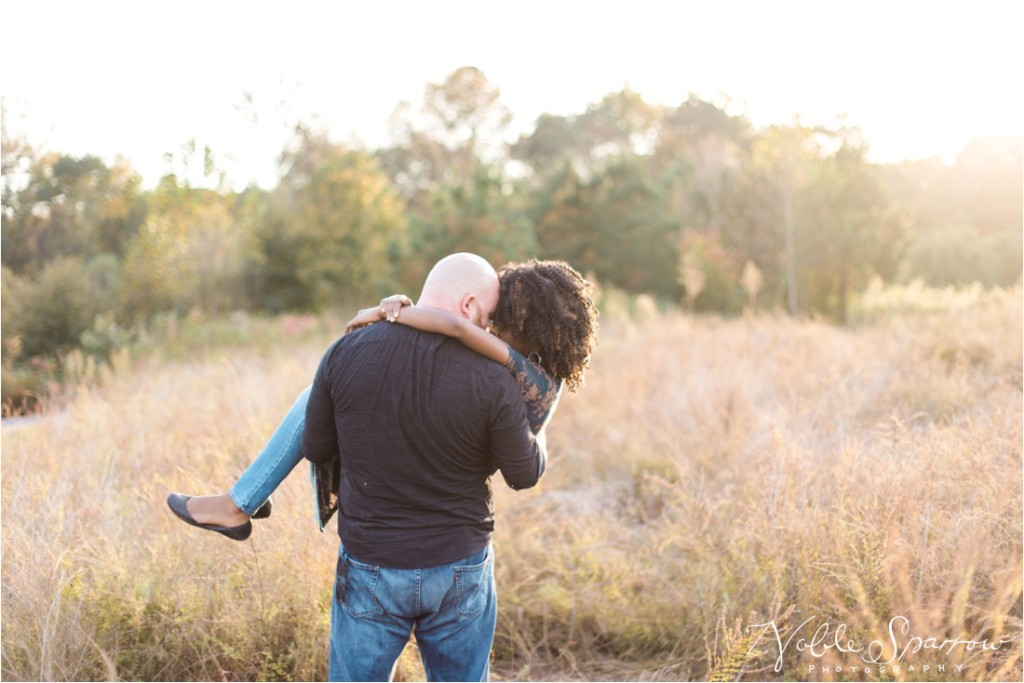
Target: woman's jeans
[277, 459]
[452, 608]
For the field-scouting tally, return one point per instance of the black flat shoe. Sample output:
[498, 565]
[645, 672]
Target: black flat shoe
[177, 501]
[263, 511]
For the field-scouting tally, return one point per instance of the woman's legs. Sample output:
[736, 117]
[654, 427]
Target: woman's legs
[277, 459]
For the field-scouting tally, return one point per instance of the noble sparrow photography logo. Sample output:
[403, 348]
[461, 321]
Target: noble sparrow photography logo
[901, 649]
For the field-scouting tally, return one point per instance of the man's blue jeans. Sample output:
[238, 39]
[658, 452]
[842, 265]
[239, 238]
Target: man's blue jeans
[452, 608]
[279, 457]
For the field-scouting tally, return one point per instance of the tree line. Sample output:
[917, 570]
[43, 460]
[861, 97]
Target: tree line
[691, 204]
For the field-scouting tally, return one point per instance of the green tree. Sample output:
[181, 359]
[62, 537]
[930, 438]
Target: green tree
[699, 147]
[460, 121]
[965, 222]
[67, 206]
[951, 255]
[613, 224]
[759, 225]
[1004, 253]
[331, 229]
[17, 158]
[958, 255]
[193, 250]
[54, 308]
[622, 123]
[485, 215]
[553, 139]
[988, 172]
[927, 192]
[848, 229]
[710, 274]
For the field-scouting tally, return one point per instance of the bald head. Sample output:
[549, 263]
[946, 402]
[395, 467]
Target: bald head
[464, 284]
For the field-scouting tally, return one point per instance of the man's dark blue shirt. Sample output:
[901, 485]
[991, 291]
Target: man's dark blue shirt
[420, 423]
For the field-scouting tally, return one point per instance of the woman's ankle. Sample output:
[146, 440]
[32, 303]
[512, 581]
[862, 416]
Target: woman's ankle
[219, 509]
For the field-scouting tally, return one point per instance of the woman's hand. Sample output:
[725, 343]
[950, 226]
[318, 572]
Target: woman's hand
[366, 316]
[389, 310]
[391, 307]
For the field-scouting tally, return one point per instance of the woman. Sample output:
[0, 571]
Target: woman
[545, 329]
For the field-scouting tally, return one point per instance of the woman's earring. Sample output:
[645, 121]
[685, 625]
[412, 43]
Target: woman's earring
[534, 357]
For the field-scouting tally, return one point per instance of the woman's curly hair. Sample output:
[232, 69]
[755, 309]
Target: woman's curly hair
[548, 306]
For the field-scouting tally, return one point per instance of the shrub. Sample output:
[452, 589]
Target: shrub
[53, 311]
[952, 256]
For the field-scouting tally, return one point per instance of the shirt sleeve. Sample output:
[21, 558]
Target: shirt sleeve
[517, 452]
[540, 391]
[319, 435]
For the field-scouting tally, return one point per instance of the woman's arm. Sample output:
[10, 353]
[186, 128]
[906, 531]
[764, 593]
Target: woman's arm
[400, 309]
[540, 390]
[451, 325]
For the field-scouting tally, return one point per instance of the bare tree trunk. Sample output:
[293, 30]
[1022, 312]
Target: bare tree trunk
[787, 216]
[844, 296]
[710, 153]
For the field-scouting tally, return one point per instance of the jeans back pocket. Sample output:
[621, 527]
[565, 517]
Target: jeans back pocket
[473, 587]
[356, 587]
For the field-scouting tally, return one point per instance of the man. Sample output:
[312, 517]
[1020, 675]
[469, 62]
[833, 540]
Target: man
[420, 423]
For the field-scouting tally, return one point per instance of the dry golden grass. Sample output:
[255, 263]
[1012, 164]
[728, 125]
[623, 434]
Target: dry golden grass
[711, 475]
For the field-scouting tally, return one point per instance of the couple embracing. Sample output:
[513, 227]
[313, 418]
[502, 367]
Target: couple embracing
[408, 421]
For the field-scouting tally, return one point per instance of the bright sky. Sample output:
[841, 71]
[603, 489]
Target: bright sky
[140, 78]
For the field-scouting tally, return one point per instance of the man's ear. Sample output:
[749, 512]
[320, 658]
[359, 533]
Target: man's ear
[466, 306]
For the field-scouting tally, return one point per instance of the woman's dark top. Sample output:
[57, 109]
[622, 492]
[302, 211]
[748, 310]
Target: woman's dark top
[540, 390]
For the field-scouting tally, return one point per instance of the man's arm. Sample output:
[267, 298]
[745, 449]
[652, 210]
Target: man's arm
[319, 435]
[519, 455]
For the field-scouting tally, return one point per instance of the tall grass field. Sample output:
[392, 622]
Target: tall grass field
[759, 498]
